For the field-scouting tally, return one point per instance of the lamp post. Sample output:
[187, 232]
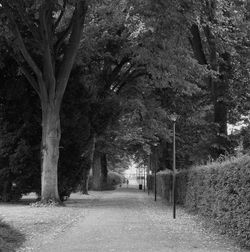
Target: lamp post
[173, 118]
[155, 180]
[140, 179]
[149, 169]
[144, 180]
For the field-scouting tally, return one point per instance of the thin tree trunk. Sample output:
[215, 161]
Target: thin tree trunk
[221, 106]
[86, 170]
[6, 191]
[96, 170]
[196, 44]
[51, 134]
[219, 90]
[104, 171]
[218, 87]
[85, 181]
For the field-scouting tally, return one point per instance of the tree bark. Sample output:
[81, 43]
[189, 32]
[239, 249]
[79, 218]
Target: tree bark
[50, 79]
[85, 181]
[96, 171]
[6, 191]
[88, 167]
[51, 134]
[196, 44]
[220, 91]
[218, 87]
[104, 171]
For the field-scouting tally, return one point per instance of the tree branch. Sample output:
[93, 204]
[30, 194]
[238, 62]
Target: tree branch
[123, 78]
[62, 36]
[31, 79]
[20, 41]
[118, 68]
[25, 19]
[196, 44]
[48, 61]
[131, 76]
[61, 14]
[71, 50]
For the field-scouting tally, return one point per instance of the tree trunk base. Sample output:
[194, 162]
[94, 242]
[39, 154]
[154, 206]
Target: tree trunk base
[49, 203]
[85, 193]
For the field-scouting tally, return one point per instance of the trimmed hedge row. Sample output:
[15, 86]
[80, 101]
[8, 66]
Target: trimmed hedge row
[220, 191]
[164, 185]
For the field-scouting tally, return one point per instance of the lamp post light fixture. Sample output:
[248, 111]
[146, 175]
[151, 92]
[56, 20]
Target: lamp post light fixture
[174, 118]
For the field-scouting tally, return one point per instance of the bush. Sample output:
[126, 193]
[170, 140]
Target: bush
[113, 180]
[221, 191]
[164, 185]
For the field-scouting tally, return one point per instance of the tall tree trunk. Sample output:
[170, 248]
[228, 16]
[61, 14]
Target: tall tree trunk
[196, 43]
[218, 87]
[85, 181]
[6, 191]
[220, 92]
[48, 79]
[51, 134]
[104, 170]
[96, 170]
[88, 167]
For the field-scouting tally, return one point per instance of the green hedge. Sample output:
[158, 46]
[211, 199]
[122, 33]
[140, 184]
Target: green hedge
[220, 191]
[164, 185]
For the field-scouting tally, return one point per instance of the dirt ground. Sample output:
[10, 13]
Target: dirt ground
[125, 220]
[41, 225]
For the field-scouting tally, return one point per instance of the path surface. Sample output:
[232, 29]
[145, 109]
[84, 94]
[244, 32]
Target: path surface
[128, 220]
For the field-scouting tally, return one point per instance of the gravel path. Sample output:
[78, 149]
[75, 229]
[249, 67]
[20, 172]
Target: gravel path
[41, 225]
[128, 220]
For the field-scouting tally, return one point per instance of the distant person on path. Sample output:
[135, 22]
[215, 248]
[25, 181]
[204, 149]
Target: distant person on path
[127, 183]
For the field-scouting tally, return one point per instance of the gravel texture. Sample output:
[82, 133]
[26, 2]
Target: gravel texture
[125, 220]
[42, 225]
[128, 220]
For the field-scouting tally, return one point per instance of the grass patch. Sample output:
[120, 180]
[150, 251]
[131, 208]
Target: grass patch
[10, 238]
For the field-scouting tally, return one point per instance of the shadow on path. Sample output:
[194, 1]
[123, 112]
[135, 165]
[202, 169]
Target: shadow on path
[10, 238]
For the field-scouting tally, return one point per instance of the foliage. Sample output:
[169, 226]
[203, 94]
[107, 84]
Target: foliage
[19, 133]
[221, 191]
[75, 123]
[135, 67]
[218, 190]
[164, 185]
[45, 37]
[114, 179]
[245, 133]
[118, 162]
[222, 30]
